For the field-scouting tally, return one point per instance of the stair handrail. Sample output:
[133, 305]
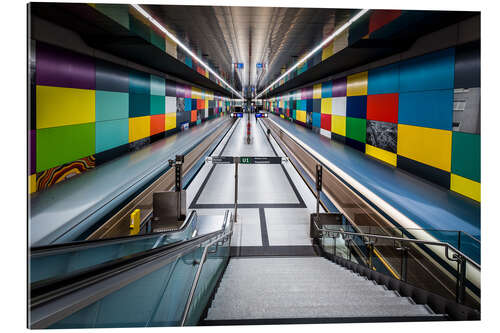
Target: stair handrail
[224, 237]
[459, 257]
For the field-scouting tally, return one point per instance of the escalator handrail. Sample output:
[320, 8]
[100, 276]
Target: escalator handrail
[56, 298]
[86, 244]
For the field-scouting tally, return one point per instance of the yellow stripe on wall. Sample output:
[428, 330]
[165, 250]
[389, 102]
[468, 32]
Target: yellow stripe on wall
[357, 84]
[317, 91]
[138, 128]
[425, 145]
[466, 187]
[327, 51]
[338, 125]
[170, 119]
[32, 183]
[57, 106]
[381, 154]
[301, 116]
[326, 106]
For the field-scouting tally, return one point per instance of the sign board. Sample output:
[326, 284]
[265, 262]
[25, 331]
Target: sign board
[246, 160]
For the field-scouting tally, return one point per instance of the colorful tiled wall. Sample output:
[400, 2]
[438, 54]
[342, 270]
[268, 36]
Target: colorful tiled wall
[365, 28]
[129, 18]
[86, 111]
[421, 115]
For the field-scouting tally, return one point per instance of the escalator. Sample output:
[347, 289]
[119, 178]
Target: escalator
[135, 281]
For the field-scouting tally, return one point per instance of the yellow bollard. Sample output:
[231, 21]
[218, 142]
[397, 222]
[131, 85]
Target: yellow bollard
[135, 222]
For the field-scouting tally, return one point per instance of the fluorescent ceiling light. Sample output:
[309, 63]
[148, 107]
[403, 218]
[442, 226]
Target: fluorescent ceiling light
[317, 48]
[184, 47]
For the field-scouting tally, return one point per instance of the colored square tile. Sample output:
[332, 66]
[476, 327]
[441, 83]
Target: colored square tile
[317, 91]
[432, 109]
[57, 67]
[326, 122]
[327, 51]
[63, 144]
[466, 155]
[339, 87]
[139, 105]
[383, 107]
[157, 124]
[111, 105]
[170, 104]
[57, 106]
[138, 128]
[339, 106]
[357, 84]
[301, 116]
[317, 105]
[316, 119]
[157, 104]
[425, 145]
[139, 83]
[326, 89]
[356, 106]
[194, 115]
[466, 187]
[157, 85]
[110, 134]
[428, 72]
[326, 105]
[381, 154]
[379, 18]
[111, 77]
[356, 129]
[339, 125]
[383, 80]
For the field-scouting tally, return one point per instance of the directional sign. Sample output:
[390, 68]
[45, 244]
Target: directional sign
[259, 65]
[247, 160]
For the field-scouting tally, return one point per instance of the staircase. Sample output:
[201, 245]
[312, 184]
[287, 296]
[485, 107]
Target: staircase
[304, 290]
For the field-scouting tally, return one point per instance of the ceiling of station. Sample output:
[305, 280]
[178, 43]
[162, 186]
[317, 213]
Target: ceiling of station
[275, 37]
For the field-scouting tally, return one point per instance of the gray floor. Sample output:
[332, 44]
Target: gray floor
[274, 203]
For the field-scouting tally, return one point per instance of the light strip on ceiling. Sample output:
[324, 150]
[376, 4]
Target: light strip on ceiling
[317, 48]
[184, 47]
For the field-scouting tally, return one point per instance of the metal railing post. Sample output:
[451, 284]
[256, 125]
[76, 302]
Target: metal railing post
[236, 161]
[461, 266]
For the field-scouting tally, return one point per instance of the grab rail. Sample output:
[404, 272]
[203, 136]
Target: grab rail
[370, 240]
[224, 237]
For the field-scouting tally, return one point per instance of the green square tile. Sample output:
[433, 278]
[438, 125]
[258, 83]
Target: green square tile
[157, 104]
[139, 28]
[466, 155]
[356, 129]
[157, 40]
[157, 85]
[64, 144]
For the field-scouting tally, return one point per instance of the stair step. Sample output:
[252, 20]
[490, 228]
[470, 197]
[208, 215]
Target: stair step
[374, 291]
[307, 300]
[264, 311]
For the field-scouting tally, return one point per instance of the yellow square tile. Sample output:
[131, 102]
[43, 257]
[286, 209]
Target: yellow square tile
[138, 128]
[425, 145]
[381, 154]
[338, 125]
[56, 106]
[357, 84]
[466, 187]
[326, 105]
